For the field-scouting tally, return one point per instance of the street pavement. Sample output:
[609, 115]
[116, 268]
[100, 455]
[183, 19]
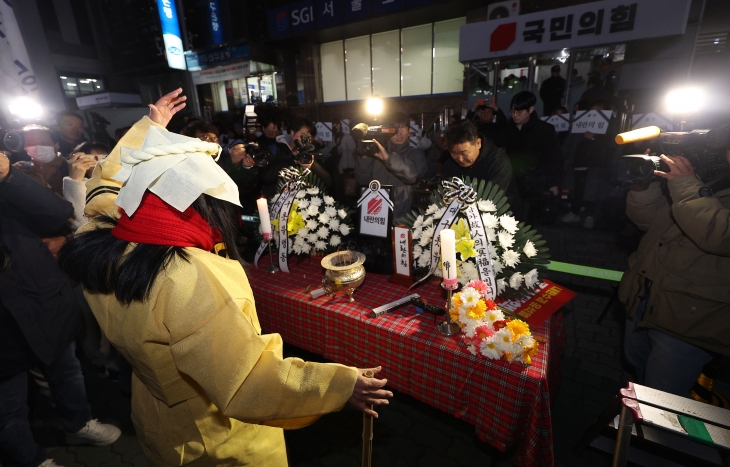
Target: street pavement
[409, 432]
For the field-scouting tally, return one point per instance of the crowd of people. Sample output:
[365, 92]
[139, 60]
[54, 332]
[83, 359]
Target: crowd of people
[135, 247]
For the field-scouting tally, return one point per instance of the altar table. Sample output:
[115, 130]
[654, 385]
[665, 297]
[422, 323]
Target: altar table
[509, 404]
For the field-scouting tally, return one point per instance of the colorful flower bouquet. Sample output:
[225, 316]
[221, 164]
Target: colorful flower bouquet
[485, 329]
[315, 221]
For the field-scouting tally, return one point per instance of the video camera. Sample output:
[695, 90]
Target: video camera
[305, 150]
[704, 149]
[11, 140]
[381, 133]
[261, 157]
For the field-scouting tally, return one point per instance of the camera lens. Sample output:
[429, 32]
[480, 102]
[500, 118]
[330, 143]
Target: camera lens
[13, 141]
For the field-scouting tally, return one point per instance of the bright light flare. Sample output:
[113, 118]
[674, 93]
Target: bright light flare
[374, 106]
[25, 108]
[685, 100]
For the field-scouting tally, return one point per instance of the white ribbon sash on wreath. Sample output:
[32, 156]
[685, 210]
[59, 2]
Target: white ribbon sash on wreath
[281, 210]
[462, 197]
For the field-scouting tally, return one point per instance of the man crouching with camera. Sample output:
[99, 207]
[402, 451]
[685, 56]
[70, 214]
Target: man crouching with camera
[676, 290]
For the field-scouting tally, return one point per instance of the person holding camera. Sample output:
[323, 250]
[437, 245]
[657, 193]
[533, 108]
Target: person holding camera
[39, 320]
[295, 151]
[240, 166]
[676, 289]
[399, 165]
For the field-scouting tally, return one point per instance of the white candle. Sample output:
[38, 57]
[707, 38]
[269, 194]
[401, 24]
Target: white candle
[448, 254]
[263, 206]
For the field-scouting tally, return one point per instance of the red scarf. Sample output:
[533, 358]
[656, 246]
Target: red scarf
[157, 223]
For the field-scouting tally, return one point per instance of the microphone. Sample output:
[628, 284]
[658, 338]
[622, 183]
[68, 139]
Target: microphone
[642, 134]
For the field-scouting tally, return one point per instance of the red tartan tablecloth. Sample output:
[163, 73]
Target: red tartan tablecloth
[509, 404]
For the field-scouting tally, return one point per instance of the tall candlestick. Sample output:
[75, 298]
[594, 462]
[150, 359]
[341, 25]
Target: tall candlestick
[448, 255]
[263, 206]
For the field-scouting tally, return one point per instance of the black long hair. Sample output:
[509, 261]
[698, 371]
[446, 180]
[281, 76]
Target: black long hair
[97, 258]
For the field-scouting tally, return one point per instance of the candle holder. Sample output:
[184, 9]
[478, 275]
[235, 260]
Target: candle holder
[449, 327]
[273, 268]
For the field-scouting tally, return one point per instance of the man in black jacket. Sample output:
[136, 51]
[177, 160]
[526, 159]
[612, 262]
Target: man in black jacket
[39, 319]
[551, 91]
[534, 149]
[472, 155]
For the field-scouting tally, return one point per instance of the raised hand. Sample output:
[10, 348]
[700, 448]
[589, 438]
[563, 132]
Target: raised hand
[162, 111]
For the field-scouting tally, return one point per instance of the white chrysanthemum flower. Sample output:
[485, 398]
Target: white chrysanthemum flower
[303, 204]
[501, 285]
[486, 205]
[470, 296]
[312, 238]
[491, 235]
[416, 233]
[529, 249]
[428, 222]
[494, 315]
[503, 339]
[313, 191]
[335, 240]
[312, 210]
[324, 218]
[515, 281]
[312, 224]
[511, 258]
[320, 245]
[489, 348]
[316, 201]
[417, 250]
[490, 221]
[427, 235]
[531, 278]
[334, 224]
[525, 341]
[497, 265]
[304, 231]
[506, 239]
[301, 194]
[431, 209]
[440, 212]
[300, 248]
[418, 222]
[275, 198]
[469, 272]
[329, 201]
[344, 229]
[332, 212]
[323, 232]
[425, 259]
[342, 213]
[508, 223]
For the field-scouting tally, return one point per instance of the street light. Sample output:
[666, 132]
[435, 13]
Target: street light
[24, 108]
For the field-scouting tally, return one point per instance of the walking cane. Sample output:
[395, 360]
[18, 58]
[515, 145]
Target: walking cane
[367, 431]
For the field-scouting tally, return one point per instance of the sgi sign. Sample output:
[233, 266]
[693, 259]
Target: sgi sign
[302, 16]
[171, 34]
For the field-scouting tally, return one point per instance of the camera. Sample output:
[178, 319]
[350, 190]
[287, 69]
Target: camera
[304, 150]
[261, 157]
[704, 149]
[381, 133]
[11, 140]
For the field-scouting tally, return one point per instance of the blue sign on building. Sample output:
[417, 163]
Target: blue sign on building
[278, 22]
[386, 6]
[327, 12]
[354, 10]
[216, 28]
[171, 34]
[301, 16]
[202, 60]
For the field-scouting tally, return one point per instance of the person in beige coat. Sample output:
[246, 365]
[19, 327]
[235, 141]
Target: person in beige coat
[676, 291]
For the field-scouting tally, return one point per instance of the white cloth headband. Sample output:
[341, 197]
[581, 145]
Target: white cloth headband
[176, 168]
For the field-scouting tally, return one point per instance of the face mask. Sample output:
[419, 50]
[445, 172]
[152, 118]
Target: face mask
[41, 154]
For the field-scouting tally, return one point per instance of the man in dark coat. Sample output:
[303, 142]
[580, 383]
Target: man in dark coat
[472, 155]
[39, 319]
[534, 149]
[551, 91]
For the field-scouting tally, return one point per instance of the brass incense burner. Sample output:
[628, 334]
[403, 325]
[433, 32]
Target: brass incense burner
[343, 272]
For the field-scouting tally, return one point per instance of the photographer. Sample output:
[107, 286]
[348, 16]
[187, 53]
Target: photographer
[399, 165]
[675, 290]
[242, 169]
[294, 152]
[39, 319]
